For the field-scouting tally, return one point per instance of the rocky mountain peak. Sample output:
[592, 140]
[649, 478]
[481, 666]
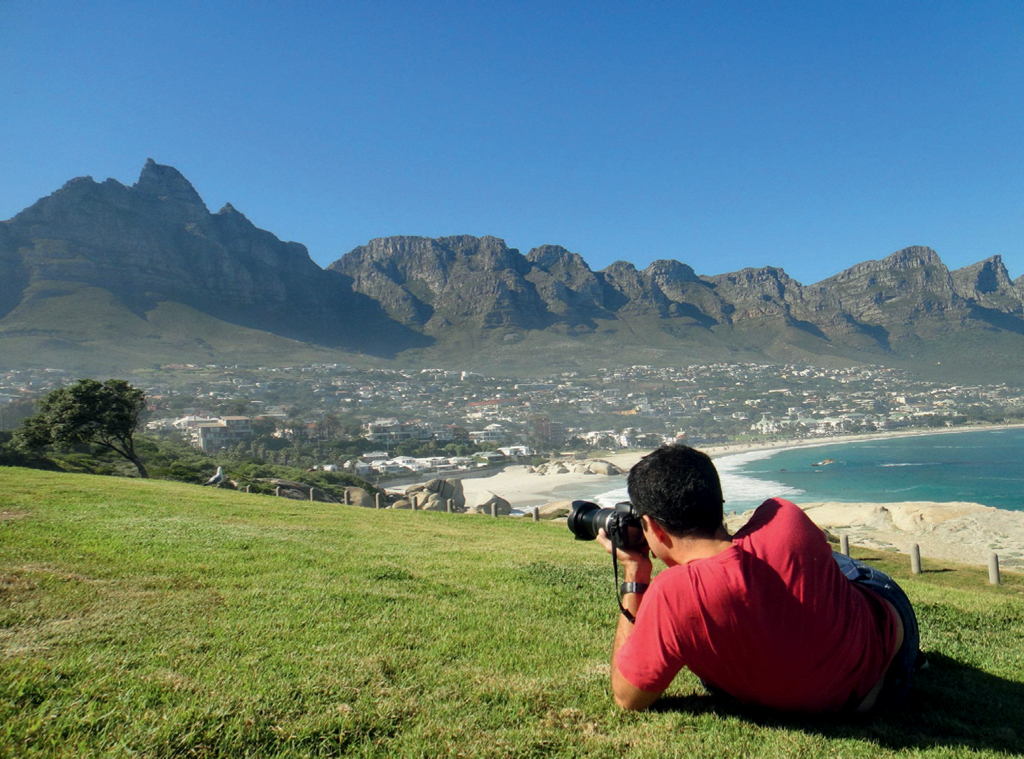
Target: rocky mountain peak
[168, 185]
[914, 256]
[486, 253]
[619, 269]
[552, 256]
[760, 280]
[988, 275]
[667, 270]
[988, 284]
[230, 213]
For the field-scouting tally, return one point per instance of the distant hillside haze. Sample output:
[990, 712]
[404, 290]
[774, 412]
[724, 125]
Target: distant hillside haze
[100, 274]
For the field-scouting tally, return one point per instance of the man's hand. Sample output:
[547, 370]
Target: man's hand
[636, 565]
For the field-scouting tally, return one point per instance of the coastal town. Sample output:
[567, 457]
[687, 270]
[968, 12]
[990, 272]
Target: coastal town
[394, 422]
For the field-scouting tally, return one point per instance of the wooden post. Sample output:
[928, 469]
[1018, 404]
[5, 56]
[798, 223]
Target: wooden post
[277, 490]
[376, 500]
[448, 505]
[844, 545]
[311, 491]
[348, 501]
[536, 513]
[494, 510]
[993, 568]
[915, 559]
[247, 489]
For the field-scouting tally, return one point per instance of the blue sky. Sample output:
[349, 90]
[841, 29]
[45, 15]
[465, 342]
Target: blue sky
[806, 135]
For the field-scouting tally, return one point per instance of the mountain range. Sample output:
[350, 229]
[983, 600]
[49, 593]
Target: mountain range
[104, 277]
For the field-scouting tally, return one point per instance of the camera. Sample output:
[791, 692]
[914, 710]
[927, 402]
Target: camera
[621, 524]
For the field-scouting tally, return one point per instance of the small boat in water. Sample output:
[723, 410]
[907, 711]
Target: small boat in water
[824, 462]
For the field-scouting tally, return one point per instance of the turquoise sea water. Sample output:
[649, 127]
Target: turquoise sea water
[984, 467]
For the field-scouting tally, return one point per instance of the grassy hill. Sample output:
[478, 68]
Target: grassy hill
[77, 327]
[160, 619]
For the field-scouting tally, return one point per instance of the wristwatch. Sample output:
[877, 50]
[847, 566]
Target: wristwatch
[633, 587]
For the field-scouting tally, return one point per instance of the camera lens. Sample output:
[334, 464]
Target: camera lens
[622, 526]
[586, 519]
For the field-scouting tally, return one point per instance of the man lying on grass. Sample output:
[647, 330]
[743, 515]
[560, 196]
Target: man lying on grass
[769, 616]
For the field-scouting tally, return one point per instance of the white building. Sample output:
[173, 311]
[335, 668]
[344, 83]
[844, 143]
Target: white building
[221, 432]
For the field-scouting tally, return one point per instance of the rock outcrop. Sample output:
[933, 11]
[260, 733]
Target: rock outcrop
[987, 285]
[493, 504]
[555, 510]
[360, 497]
[432, 284]
[435, 494]
[588, 466]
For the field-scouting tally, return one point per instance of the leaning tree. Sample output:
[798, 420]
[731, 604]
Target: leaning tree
[103, 413]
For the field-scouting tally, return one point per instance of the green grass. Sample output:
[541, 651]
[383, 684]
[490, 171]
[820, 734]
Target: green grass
[149, 618]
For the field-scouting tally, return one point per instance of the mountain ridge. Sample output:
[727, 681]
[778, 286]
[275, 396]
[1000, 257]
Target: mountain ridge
[474, 300]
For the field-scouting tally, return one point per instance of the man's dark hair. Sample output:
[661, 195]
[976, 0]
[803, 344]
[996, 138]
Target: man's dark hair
[679, 487]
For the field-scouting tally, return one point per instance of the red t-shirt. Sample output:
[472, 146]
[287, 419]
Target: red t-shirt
[770, 620]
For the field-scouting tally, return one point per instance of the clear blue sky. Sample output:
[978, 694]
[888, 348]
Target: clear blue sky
[806, 135]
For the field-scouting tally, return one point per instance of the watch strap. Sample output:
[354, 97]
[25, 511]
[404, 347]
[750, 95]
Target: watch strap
[633, 587]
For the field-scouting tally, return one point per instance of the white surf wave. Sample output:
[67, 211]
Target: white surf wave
[744, 491]
[741, 491]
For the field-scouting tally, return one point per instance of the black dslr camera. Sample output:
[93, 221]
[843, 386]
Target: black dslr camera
[621, 524]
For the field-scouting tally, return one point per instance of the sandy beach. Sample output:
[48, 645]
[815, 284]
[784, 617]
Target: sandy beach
[960, 532]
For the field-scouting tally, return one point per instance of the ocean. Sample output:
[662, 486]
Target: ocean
[981, 466]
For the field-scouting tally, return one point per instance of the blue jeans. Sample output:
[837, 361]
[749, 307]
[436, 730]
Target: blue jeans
[900, 677]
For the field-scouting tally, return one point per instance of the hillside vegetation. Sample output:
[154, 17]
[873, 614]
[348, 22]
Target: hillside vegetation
[156, 618]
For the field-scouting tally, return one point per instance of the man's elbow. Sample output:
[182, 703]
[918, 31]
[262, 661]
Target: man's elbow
[631, 703]
[628, 696]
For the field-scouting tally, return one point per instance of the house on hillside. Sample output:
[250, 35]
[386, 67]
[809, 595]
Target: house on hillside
[221, 432]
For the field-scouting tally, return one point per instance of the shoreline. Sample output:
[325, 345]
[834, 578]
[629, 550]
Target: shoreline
[956, 531]
[524, 489]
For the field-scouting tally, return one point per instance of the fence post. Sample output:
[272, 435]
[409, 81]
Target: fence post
[915, 559]
[348, 501]
[993, 568]
[247, 488]
[277, 490]
[376, 500]
[494, 510]
[311, 491]
[536, 514]
[448, 505]
[844, 545]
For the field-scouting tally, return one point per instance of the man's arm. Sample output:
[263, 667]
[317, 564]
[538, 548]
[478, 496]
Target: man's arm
[635, 568]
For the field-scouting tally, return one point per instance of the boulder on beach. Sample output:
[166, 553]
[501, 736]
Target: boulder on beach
[555, 509]
[600, 466]
[435, 494]
[360, 497]
[501, 506]
[591, 466]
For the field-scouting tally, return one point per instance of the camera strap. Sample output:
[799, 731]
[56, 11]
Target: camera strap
[618, 596]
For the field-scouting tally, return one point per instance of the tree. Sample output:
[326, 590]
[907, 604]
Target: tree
[105, 414]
